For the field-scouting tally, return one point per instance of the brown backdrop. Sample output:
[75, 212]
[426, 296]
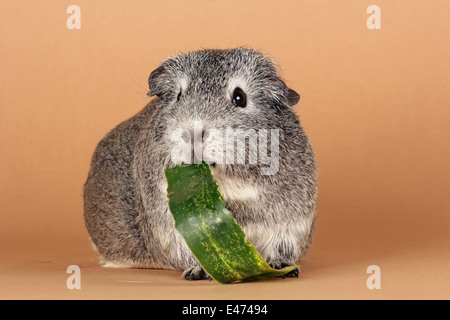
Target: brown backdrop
[375, 104]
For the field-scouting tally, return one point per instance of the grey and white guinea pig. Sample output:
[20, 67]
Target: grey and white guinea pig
[268, 181]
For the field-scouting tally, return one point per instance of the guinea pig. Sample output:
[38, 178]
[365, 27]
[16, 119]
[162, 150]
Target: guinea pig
[220, 99]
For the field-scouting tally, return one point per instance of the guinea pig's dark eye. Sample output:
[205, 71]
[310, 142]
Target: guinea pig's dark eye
[179, 96]
[239, 98]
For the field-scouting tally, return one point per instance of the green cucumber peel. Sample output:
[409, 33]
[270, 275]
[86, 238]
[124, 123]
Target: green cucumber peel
[209, 229]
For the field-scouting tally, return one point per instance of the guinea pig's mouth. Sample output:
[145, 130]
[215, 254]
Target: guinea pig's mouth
[211, 164]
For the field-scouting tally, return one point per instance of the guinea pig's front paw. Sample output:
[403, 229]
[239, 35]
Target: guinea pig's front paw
[196, 273]
[280, 265]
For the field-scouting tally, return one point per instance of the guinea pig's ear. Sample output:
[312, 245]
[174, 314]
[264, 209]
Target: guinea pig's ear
[159, 82]
[292, 97]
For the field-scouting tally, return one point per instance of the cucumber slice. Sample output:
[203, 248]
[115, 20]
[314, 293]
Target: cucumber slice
[210, 231]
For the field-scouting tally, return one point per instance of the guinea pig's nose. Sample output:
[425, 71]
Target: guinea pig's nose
[202, 136]
[186, 136]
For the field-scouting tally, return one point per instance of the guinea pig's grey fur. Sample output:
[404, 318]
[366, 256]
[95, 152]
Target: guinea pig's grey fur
[125, 195]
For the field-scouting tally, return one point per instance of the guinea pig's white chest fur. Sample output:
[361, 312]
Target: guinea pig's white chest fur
[237, 190]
